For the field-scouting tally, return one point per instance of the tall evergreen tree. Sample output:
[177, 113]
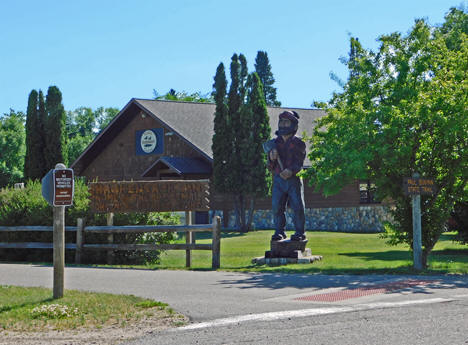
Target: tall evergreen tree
[41, 141]
[222, 144]
[56, 142]
[234, 102]
[31, 114]
[34, 141]
[263, 69]
[255, 130]
[240, 130]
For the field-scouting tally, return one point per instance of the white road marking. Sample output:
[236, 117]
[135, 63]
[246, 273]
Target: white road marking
[306, 312]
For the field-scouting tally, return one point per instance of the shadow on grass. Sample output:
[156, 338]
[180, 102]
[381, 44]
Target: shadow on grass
[4, 309]
[460, 254]
[390, 255]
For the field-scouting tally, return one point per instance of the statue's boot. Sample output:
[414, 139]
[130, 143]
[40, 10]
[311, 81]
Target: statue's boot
[278, 236]
[298, 237]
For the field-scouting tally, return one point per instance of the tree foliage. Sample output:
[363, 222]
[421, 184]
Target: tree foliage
[12, 148]
[402, 110]
[55, 129]
[34, 164]
[241, 126]
[173, 95]
[82, 125]
[255, 131]
[222, 142]
[263, 69]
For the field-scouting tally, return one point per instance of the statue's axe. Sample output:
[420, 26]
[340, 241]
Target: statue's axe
[271, 145]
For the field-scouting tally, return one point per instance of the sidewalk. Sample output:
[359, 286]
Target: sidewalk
[211, 295]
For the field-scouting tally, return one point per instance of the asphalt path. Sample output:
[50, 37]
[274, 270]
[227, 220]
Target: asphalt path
[269, 308]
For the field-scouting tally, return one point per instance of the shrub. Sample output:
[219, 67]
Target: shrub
[23, 207]
[459, 221]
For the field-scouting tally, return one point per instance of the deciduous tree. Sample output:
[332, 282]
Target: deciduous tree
[12, 148]
[402, 110]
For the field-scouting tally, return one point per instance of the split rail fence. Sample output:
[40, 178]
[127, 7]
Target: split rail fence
[110, 230]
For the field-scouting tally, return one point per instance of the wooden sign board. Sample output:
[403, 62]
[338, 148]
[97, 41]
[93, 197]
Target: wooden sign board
[149, 196]
[421, 186]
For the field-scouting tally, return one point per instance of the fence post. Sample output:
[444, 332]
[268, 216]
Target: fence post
[59, 251]
[216, 245]
[110, 238]
[188, 238]
[79, 239]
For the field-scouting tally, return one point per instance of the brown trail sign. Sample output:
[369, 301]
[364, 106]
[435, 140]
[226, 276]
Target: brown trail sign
[417, 185]
[149, 196]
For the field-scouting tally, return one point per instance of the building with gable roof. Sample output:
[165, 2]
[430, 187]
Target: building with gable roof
[159, 139]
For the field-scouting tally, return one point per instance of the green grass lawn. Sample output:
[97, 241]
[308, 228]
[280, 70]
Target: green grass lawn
[34, 309]
[342, 253]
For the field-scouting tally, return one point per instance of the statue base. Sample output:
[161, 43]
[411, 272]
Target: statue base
[287, 252]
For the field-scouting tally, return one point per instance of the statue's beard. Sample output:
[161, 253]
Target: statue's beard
[286, 130]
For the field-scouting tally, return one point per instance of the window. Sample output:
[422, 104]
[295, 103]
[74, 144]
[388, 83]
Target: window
[367, 193]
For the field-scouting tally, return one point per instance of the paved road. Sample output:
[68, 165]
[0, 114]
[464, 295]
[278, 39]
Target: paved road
[231, 306]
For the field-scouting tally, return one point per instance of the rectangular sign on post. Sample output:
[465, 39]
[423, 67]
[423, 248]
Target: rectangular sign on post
[63, 187]
[419, 186]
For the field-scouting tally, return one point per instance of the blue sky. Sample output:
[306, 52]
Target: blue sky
[103, 53]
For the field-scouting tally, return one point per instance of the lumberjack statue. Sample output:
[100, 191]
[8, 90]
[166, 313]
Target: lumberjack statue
[286, 155]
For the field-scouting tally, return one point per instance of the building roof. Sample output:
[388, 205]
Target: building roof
[181, 165]
[193, 122]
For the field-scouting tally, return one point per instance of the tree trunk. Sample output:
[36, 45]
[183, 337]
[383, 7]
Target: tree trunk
[250, 213]
[424, 257]
[237, 212]
[243, 225]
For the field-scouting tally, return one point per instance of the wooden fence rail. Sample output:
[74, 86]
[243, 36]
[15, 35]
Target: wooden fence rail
[81, 244]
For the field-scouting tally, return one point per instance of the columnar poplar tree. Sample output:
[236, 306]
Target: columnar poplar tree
[33, 161]
[263, 69]
[55, 128]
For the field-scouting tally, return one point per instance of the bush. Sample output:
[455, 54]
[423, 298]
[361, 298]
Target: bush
[23, 207]
[459, 221]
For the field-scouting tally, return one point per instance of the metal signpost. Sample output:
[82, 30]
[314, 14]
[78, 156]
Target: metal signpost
[417, 186]
[58, 190]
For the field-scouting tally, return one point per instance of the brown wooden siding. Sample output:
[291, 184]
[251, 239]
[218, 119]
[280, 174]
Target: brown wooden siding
[118, 160]
[347, 197]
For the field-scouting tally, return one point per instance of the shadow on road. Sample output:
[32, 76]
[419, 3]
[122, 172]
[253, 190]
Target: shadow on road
[308, 281]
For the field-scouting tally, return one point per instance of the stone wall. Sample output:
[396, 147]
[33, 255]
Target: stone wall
[342, 219]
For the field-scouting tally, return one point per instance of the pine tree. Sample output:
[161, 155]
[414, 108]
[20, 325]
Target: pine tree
[55, 128]
[263, 69]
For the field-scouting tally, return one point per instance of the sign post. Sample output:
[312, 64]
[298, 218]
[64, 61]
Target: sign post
[58, 190]
[415, 186]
